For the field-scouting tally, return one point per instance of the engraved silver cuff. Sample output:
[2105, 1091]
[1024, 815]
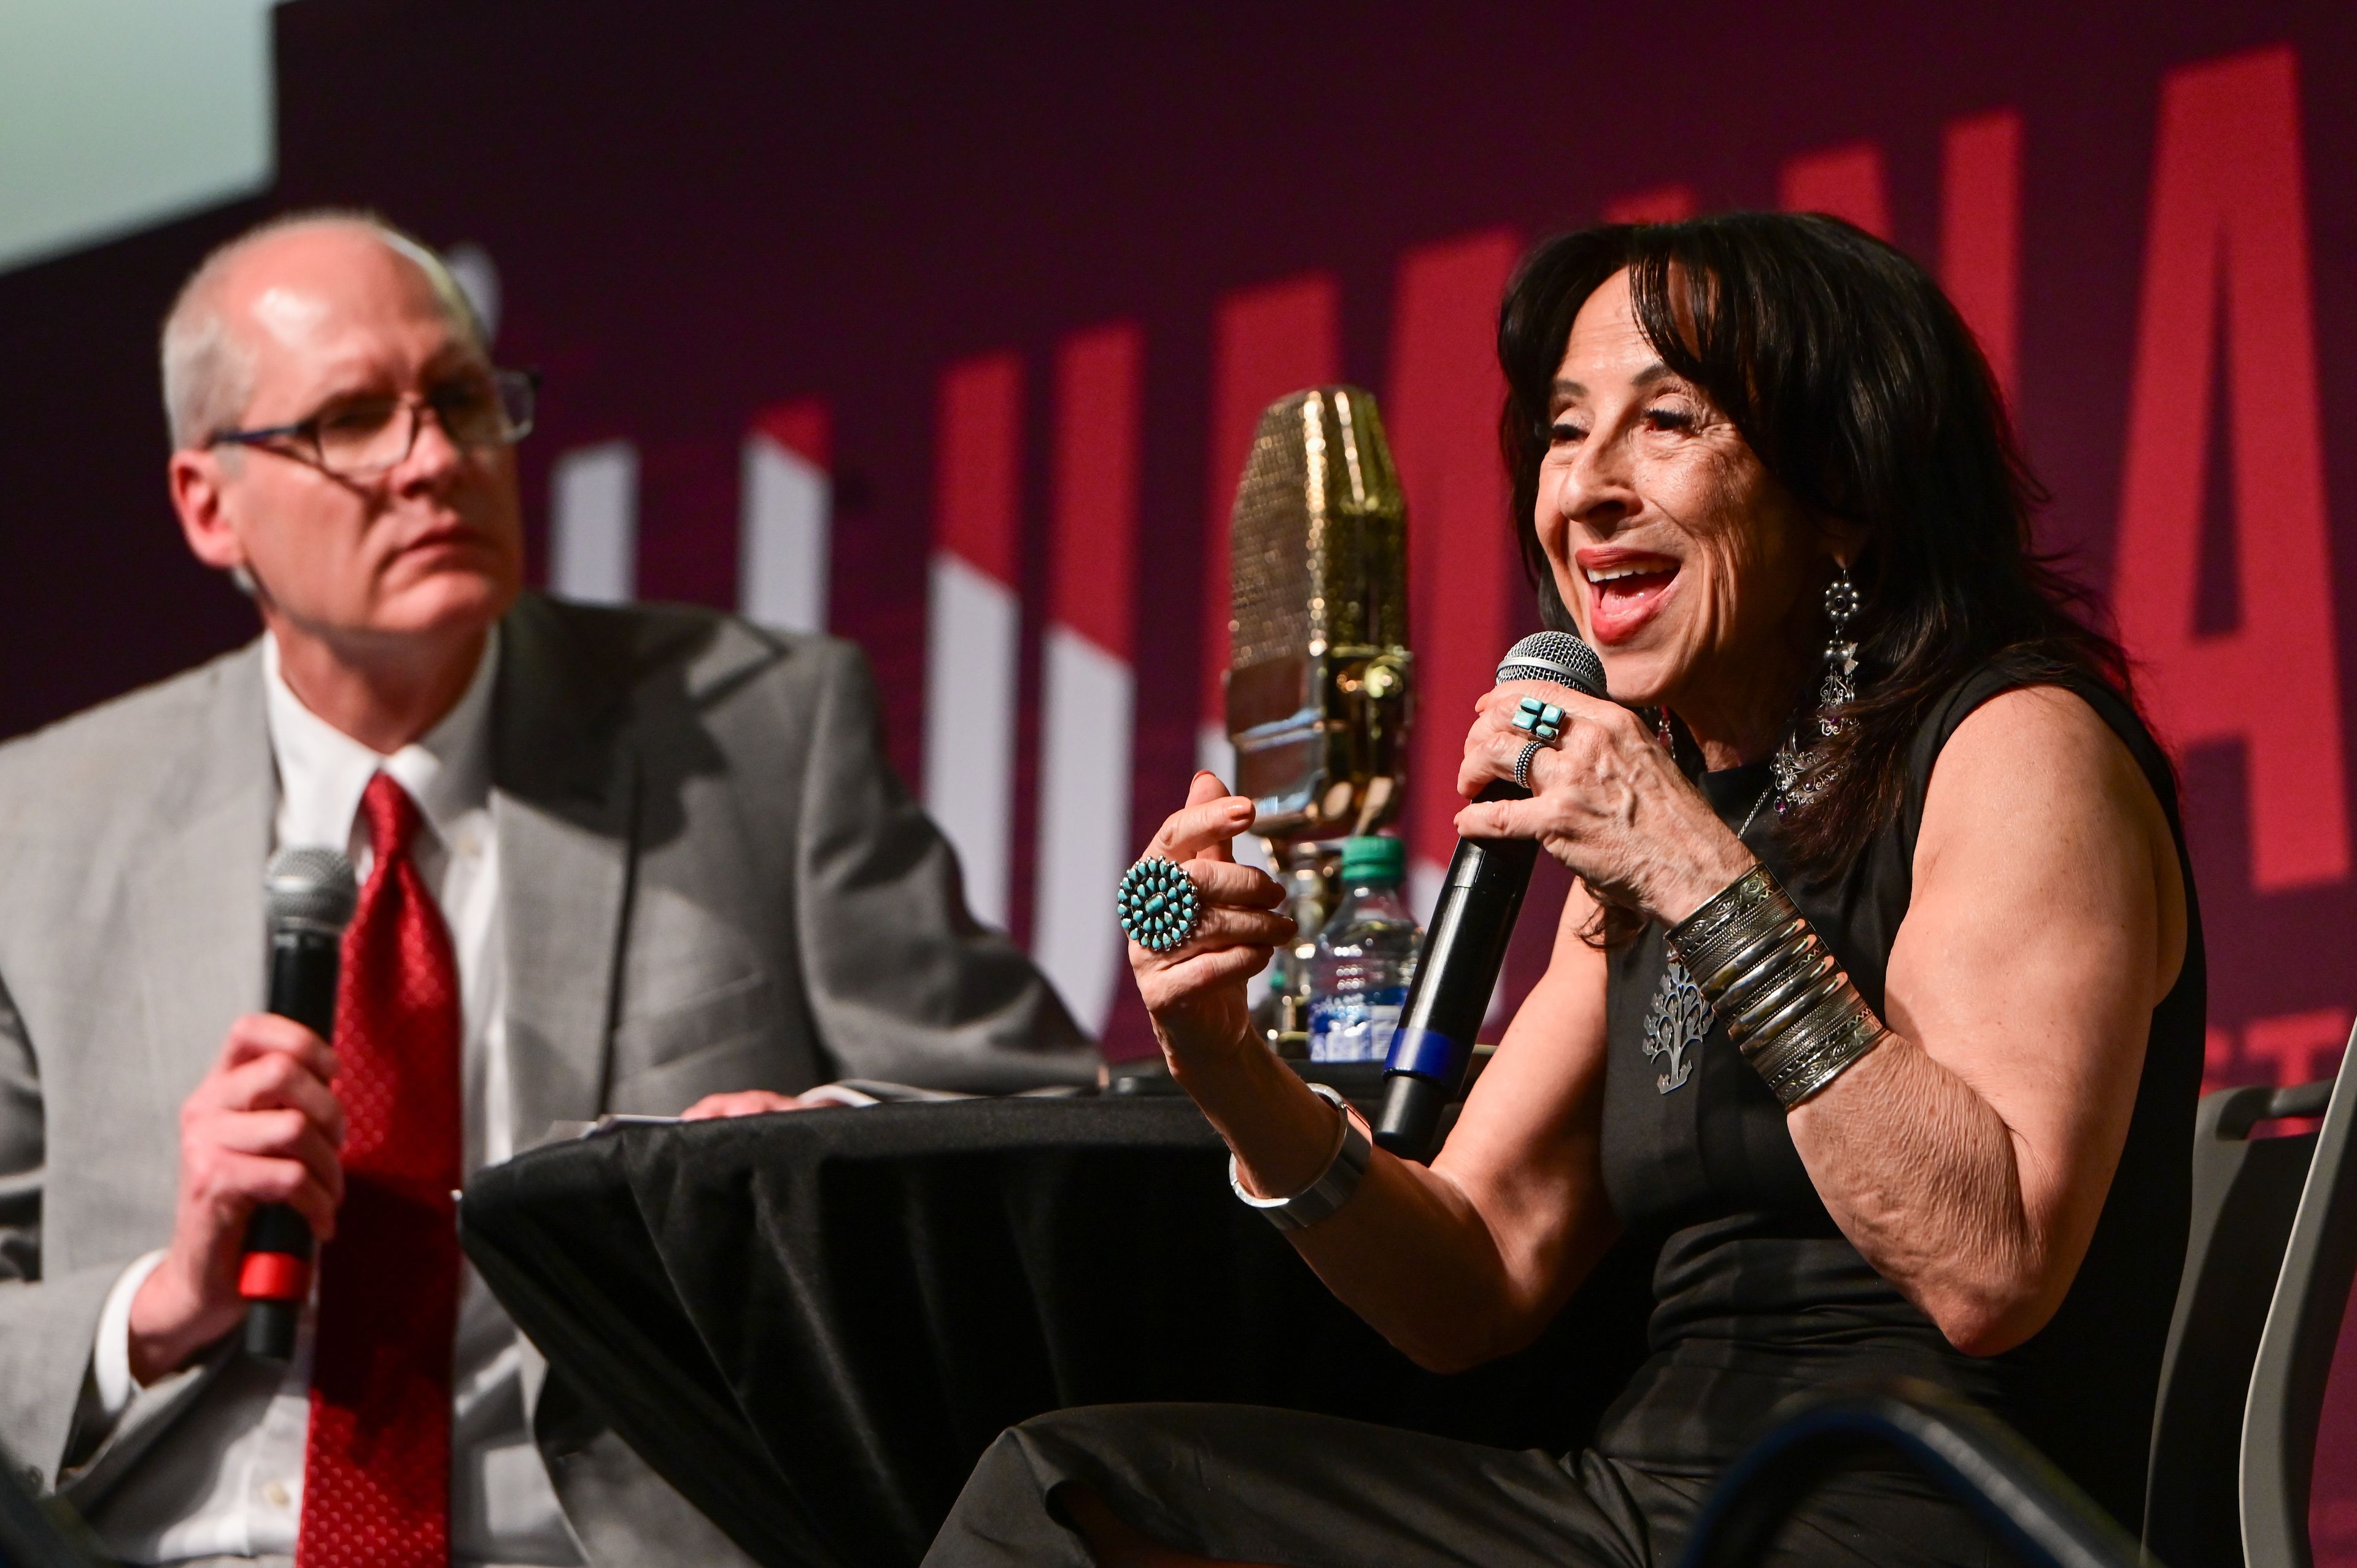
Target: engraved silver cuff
[1801, 1072]
[1701, 932]
[1790, 1007]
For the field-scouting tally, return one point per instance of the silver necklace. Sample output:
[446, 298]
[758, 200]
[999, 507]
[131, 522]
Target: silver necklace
[1748, 815]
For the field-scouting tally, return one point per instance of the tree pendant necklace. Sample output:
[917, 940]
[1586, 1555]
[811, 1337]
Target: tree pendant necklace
[1680, 1016]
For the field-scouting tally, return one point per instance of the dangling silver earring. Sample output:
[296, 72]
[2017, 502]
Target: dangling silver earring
[1800, 774]
[1839, 689]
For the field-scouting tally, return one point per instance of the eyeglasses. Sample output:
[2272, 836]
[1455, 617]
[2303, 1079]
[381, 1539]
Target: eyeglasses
[362, 437]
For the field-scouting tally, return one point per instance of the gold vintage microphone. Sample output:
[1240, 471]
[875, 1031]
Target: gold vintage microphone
[1319, 669]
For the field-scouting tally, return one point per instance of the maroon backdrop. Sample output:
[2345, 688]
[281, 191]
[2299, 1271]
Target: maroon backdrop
[700, 212]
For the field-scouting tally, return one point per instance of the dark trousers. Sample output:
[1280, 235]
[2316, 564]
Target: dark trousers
[1308, 1491]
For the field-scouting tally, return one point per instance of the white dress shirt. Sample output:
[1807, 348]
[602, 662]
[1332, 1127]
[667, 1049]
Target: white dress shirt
[227, 1478]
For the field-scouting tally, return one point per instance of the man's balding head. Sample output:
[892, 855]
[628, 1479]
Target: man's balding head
[209, 342]
[377, 578]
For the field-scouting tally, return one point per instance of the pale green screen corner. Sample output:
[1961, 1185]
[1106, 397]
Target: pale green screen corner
[116, 115]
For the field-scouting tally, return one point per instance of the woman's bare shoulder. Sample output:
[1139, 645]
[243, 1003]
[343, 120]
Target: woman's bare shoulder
[2035, 780]
[2035, 753]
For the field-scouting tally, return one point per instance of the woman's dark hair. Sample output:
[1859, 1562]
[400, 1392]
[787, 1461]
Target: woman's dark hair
[1862, 392]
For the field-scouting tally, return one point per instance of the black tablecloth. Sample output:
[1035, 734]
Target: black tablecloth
[812, 1324]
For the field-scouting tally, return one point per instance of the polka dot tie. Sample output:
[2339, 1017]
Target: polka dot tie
[376, 1468]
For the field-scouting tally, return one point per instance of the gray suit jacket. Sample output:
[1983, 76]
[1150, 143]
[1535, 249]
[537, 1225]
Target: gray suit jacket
[709, 881]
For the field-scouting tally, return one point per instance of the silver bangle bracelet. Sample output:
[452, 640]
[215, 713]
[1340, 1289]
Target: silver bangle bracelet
[1789, 1006]
[1353, 1147]
[1804, 1070]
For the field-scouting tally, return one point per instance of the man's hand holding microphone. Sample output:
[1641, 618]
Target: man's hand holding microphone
[263, 1127]
[260, 1175]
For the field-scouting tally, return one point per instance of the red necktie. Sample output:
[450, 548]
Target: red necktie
[376, 1469]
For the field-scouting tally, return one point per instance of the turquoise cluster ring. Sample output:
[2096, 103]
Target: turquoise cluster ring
[1541, 721]
[1158, 906]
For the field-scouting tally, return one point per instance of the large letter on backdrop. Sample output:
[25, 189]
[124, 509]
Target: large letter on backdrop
[1842, 182]
[786, 515]
[1088, 706]
[1444, 393]
[593, 523]
[2229, 225]
[1665, 204]
[974, 636]
[1980, 232]
[1266, 342]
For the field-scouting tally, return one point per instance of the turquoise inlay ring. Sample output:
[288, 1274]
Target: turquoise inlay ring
[1158, 906]
[1541, 721]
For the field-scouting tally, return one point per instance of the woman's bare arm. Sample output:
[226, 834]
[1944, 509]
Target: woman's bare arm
[1968, 1156]
[1456, 1263]
[1515, 1204]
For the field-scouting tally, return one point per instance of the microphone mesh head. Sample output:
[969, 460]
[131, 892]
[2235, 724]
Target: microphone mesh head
[1555, 656]
[1318, 539]
[1318, 656]
[309, 885]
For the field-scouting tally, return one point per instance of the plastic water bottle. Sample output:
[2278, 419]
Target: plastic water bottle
[1365, 957]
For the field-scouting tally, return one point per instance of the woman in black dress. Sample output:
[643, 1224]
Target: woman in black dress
[1761, 466]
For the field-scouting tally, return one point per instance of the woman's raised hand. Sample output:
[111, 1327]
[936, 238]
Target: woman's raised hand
[1196, 991]
[1607, 801]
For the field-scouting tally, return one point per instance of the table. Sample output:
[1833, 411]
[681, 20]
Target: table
[812, 1324]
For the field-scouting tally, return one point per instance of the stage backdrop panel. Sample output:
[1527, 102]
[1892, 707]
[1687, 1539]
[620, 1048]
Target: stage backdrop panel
[946, 334]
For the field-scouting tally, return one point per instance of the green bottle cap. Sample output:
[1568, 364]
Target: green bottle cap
[1373, 859]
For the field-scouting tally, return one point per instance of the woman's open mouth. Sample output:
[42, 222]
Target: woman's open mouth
[1625, 590]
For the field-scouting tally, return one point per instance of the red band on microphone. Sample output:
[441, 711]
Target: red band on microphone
[274, 1276]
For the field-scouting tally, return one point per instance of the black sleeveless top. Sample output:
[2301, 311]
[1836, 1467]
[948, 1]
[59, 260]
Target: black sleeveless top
[1756, 1293]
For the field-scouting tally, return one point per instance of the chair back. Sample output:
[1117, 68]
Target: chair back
[2032, 1508]
[2246, 1193]
[2303, 1325]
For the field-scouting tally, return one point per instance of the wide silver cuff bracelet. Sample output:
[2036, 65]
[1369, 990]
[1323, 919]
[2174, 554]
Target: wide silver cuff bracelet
[1790, 1007]
[1333, 1186]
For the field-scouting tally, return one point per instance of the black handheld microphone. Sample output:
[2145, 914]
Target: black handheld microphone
[1465, 946]
[309, 893]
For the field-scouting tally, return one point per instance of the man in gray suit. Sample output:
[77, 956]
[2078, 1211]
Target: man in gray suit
[660, 859]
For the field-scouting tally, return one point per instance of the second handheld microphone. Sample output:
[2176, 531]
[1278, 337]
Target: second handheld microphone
[309, 893]
[1465, 945]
